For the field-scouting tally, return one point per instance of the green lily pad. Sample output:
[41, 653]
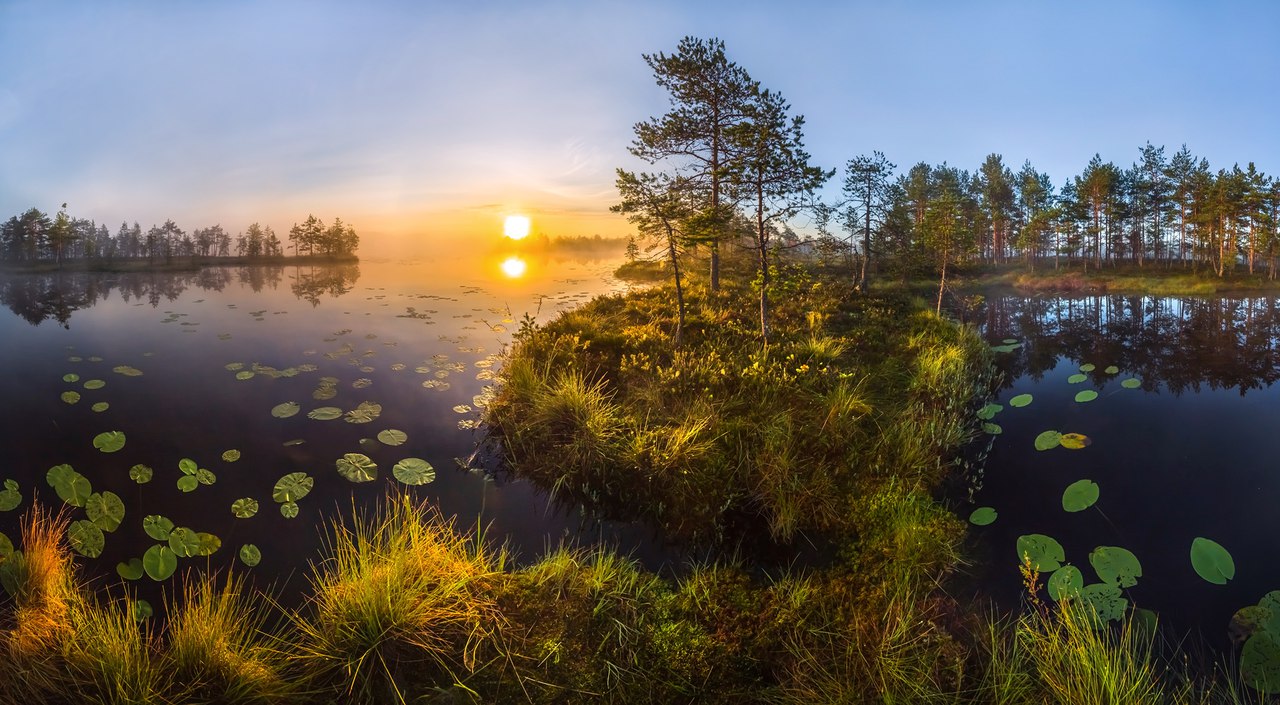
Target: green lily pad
[982, 516]
[94, 384]
[325, 413]
[357, 467]
[140, 474]
[72, 487]
[414, 471]
[105, 510]
[1211, 561]
[289, 510]
[142, 610]
[1076, 378]
[184, 542]
[1248, 620]
[188, 483]
[1009, 341]
[157, 527]
[986, 413]
[1131, 383]
[1065, 583]
[1271, 601]
[10, 497]
[992, 428]
[209, 544]
[205, 477]
[230, 456]
[1006, 348]
[1044, 553]
[365, 412]
[188, 466]
[392, 437]
[250, 555]
[1088, 367]
[292, 487]
[100, 406]
[285, 410]
[1080, 495]
[86, 538]
[127, 371]
[1086, 395]
[242, 375]
[1260, 662]
[1048, 440]
[70, 397]
[1112, 369]
[1075, 441]
[71, 377]
[159, 562]
[1116, 566]
[109, 441]
[1020, 401]
[1105, 603]
[6, 547]
[244, 507]
[131, 570]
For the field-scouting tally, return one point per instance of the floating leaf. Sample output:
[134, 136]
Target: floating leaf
[109, 441]
[325, 413]
[10, 497]
[1020, 401]
[292, 487]
[94, 384]
[1088, 367]
[1116, 566]
[244, 374]
[365, 412]
[1075, 441]
[244, 507]
[982, 516]
[1076, 378]
[1044, 553]
[285, 410]
[1080, 495]
[230, 456]
[1248, 620]
[209, 544]
[6, 547]
[1006, 341]
[992, 428]
[1007, 347]
[234, 366]
[205, 477]
[72, 487]
[188, 483]
[131, 570]
[1112, 369]
[357, 467]
[1086, 395]
[157, 527]
[250, 555]
[127, 371]
[86, 538]
[184, 542]
[414, 471]
[142, 610]
[159, 562]
[1048, 440]
[188, 466]
[289, 510]
[140, 474]
[1066, 582]
[1211, 561]
[1131, 383]
[105, 510]
[71, 377]
[986, 413]
[71, 397]
[392, 437]
[1260, 662]
[1105, 603]
[100, 406]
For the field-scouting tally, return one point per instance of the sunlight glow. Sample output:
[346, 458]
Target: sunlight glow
[514, 267]
[516, 227]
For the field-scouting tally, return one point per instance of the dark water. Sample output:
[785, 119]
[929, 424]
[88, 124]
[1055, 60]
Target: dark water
[381, 329]
[1191, 453]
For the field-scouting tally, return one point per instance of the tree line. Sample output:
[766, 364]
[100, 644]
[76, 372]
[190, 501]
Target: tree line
[34, 236]
[732, 169]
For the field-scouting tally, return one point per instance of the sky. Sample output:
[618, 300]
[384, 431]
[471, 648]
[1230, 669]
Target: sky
[424, 124]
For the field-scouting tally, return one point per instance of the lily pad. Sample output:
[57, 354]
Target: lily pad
[1065, 583]
[188, 466]
[1086, 396]
[230, 456]
[292, 487]
[1006, 348]
[285, 410]
[184, 542]
[1131, 383]
[392, 437]
[105, 510]
[72, 487]
[1248, 620]
[983, 516]
[242, 375]
[100, 406]
[10, 497]
[1044, 553]
[1112, 369]
[1075, 441]
[71, 377]
[131, 570]
[1211, 561]
[159, 562]
[127, 371]
[289, 510]
[1009, 341]
[86, 538]
[365, 412]
[325, 413]
[142, 610]
[1105, 603]
[1048, 440]
[157, 527]
[1088, 367]
[209, 544]
[414, 471]
[357, 467]
[1116, 566]
[1260, 662]
[1076, 378]
[250, 555]
[205, 477]
[986, 413]
[94, 384]
[70, 397]
[244, 507]
[1020, 401]
[188, 483]
[1080, 495]
[992, 428]
[140, 474]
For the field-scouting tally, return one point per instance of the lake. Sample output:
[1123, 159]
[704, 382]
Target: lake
[191, 365]
[1187, 451]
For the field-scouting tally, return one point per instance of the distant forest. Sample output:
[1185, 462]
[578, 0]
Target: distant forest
[35, 237]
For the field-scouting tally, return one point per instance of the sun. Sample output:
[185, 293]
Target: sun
[516, 227]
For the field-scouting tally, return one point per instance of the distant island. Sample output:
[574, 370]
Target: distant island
[34, 241]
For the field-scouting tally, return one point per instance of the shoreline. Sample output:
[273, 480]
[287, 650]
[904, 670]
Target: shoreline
[174, 264]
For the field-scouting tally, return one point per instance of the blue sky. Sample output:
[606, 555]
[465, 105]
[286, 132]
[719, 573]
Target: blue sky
[424, 122]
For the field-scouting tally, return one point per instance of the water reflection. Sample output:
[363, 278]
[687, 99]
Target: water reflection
[1182, 343]
[514, 267]
[54, 296]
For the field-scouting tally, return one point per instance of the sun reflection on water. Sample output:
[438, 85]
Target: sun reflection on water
[514, 267]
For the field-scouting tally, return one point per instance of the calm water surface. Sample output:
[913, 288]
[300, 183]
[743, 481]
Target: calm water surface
[419, 338]
[1191, 453]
